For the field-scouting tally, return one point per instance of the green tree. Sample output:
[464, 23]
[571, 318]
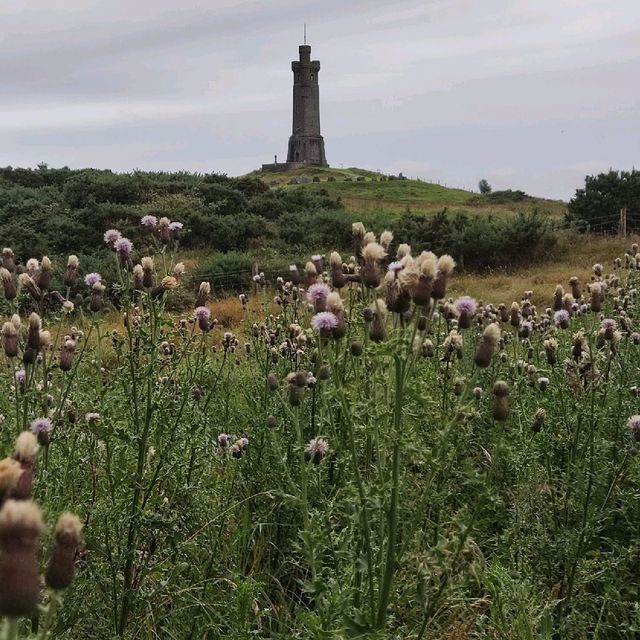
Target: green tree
[597, 206]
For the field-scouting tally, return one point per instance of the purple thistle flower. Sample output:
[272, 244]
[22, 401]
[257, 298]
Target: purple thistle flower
[176, 226]
[316, 450]
[91, 278]
[598, 269]
[92, 417]
[111, 236]
[202, 313]
[395, 266]
[123, 246]
[149, 221]
[466, 305]
[324, 321]
[21, 376]
[634, 425]
[318, 293]
[41, 425]
[561, 318]
[608, 324]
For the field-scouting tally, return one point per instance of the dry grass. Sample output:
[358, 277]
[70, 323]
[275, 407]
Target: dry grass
[574, 257]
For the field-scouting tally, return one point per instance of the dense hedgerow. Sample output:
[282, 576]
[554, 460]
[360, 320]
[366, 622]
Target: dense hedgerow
[371, 459]
[61, 211]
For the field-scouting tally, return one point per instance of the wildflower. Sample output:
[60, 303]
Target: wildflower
[92, 417]
[500, 400]
[477, 393]
[41, 427]
[111, 236]
[8, 262]
[338, 277]
[61, 568]
[358, 231]
[336, 307]
[272, 381]
[515, 317]
[95, 297]
[597, 294]
[465, 308]
[598, 269]
[543, 383]
[427, 349]
[92, 278]
[453, 345]
[20, 528]
[296, 381]
[488, 345]
[310, 274]
[203, 315]
[179, 270]
[324, 322]
[403, 250]
[561, 318]
[458, 386]
[294, 274]
[525, 329]
[9, 339]
[21, 377]
[28, 283]
[44, 274]
[123, 246]
[379, 313]
[8, 284]
[67, 354]
[551, 348]
[163, 228]
[386, 238]
[149, 221]
[224, 439]
[10, 472]
[372, 254]
[317, 295]
[634, 426]
[446, 264]
[204, 291]
[608, 328]
[538, 420]
[175, 229]
[316, 450]
[147, 271]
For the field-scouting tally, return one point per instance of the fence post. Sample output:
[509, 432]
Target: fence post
[622, 227]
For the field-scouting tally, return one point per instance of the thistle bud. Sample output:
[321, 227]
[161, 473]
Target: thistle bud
[8, 284]
[20, 528]
[8, 260]
[61, 567]
[9, 339]
[71, 271]
[488, 345]
[538, 420]
[67, 355]
[500, 400]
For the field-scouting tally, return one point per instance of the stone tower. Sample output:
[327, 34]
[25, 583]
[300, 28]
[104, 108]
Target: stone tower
[306, 145]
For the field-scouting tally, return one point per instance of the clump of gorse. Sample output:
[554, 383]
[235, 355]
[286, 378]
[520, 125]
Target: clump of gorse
[365, 457]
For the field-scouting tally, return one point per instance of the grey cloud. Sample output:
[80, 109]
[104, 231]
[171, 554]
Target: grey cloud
[414, 84]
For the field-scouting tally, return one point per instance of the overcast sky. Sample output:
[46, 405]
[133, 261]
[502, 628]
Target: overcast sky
[528, 94]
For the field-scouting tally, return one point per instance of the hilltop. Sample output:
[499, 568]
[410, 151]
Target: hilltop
[368, 191]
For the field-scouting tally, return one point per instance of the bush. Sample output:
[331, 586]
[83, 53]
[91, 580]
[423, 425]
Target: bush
[597, 206]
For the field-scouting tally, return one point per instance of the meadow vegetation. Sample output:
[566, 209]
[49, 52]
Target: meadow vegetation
[375, 455]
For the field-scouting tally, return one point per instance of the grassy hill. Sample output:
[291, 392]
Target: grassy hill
[373, 194]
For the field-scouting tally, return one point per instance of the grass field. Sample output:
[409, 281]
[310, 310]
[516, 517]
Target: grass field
[394, 196]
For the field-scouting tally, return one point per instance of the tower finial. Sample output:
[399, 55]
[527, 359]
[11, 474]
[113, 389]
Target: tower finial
[305, 33]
